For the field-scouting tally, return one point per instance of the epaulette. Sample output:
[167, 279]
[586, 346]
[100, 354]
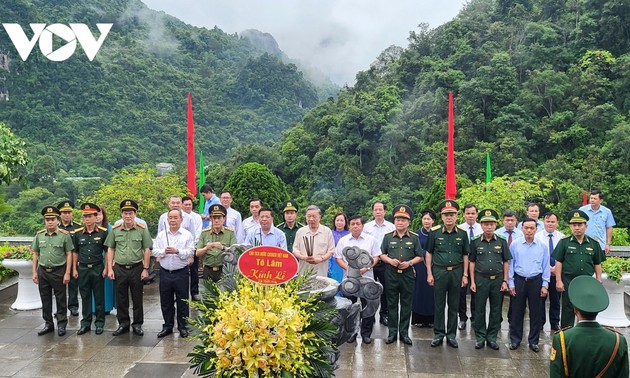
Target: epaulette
[78, 229]
[64, 231]
[102, 228]
[500, 236]
[116, 226]
[228, 228]
[41, 231]
[612, 329]
[140, 225]
[563, 329]
[567, 236]
[476, 237]
[436, 227]
[413, 233]
[281, 225]
[207, 229]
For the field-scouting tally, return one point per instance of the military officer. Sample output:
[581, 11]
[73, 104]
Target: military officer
[290, 225]
[52, 265]
[213, 241]
[447, 271]
[401, 250]
[576, 255]
[128, 255]
[89, 268]
[588, 349]
[489, 266]
[66, 223]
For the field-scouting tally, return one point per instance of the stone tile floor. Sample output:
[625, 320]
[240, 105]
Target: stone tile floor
[24, 354]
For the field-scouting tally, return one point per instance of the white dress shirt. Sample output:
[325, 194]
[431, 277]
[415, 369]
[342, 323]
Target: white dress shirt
[476, 227]
[187, 223]
[234, 221]
[366, 242]
[378, 231]
[249, 224]
[182, 240]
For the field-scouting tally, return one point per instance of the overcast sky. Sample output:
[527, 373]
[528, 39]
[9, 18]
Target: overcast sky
[340, 37]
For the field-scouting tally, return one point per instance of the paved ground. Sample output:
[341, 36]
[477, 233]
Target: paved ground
[24, 354]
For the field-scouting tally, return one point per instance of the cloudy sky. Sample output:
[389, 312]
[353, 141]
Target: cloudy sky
[340, 37]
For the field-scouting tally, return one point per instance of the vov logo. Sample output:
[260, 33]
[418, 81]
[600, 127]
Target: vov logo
[44, 34]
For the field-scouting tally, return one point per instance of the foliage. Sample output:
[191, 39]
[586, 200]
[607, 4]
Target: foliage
[259, 330]
[12, 154]
[15, 252]
[255, 180]
[143, 185]
[615, 267]
[620, 236]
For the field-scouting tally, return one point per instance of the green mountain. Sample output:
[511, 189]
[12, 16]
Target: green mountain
[128, 106]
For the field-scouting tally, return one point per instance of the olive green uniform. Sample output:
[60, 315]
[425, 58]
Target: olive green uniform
[489, 257]
[52, 251]
[447, 251]
[212, 260]
[587, 349]
[400, 282]
[89, 249]
[577, 260]
[73, 286]
[290, 233]
[129, 246]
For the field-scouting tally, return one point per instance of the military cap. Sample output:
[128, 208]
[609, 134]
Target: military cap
[431, 213]
[129, 204]
[487, 215]
[50, 212]
[217, 210]
[290, 205]
[577, 216]
[65, 206]
[403, 211]
[89, 208]
[448, 206]
[588, 295]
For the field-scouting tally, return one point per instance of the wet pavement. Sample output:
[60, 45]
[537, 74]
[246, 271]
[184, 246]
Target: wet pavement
[24, 354]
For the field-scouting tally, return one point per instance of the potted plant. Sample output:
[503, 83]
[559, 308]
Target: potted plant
[19, 258]
[616, 273]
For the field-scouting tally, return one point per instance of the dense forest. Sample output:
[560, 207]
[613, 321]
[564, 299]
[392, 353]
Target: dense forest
[542, 85]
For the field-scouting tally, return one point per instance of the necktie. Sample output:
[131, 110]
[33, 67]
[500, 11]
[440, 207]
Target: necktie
[552, 261]
[509, 238]
[471, 234]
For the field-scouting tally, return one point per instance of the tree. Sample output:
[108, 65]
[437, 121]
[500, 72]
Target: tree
[12, 155]
[255, 180]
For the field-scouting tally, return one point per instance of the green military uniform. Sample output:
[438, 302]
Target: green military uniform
[400, 282]
[73, 286]
[90, 265]
[129, 250]
[212, 260]
[578, 259]
[588, 349]
[489, 258]
[290, 232]
[447, 250]
[51, 250]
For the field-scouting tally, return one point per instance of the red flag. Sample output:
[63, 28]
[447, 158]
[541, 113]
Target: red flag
[451, 185]
[584, 199]
[190, 178]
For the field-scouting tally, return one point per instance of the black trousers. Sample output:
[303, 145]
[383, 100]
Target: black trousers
[128, 281]
[554, 304]
[49, 283]
[379, 276]
[174, 289]
[92, 284]
[194, 276]
[73, 293]
[212, 272]
[527, 294]
[367, 324]
[462, 303]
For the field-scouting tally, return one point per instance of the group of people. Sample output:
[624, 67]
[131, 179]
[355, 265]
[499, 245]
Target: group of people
[426, 274]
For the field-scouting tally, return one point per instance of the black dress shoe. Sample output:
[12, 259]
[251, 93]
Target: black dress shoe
[164, 332]
[461, 325]
[367, 340]
[121, 330]
[183, 333]
[45, 330]
[61, 331]
[99, 330]
[479, 344]
[493, 345]
[437, 342]
[452, 343]
[352, 339]
[74, 312]
[514, 346]
[137, 330]
[406, 340]
[534, 348]
[83, 330]
[383, 320]
[390, 339]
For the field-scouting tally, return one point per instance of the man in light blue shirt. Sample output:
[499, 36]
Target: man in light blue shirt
[266, 233]
[211, 199]
[509, 231]
[533, 211]
[601, 221]
[528, 281]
